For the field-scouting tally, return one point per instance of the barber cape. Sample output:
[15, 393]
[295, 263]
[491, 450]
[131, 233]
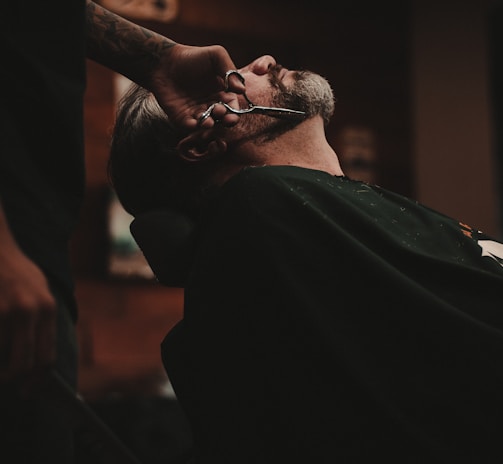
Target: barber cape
[327, 320]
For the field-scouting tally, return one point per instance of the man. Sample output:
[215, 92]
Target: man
[44, 48]
[326, 320]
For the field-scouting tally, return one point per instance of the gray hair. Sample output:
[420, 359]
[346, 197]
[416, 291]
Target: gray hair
[144, 168]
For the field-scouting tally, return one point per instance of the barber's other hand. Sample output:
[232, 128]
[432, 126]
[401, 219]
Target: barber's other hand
[190, 79]
[27, 318]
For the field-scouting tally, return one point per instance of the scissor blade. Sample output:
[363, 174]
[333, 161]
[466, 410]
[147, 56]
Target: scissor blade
[268, 111]
[278, 112]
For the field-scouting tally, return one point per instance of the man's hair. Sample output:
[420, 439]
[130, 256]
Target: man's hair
[144, 168]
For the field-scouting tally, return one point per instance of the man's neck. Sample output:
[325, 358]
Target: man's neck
[305, 146]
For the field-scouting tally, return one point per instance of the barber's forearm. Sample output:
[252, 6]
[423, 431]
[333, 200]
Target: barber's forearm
[123, 46]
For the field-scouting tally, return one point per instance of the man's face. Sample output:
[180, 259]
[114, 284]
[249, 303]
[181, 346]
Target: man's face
[269, 84]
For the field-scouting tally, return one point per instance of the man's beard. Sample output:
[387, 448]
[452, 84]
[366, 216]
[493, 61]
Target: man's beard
[310, 93]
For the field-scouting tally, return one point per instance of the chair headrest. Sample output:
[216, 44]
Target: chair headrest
[166, 240]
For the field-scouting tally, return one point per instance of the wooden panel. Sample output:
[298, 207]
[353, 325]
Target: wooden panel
[120, 330]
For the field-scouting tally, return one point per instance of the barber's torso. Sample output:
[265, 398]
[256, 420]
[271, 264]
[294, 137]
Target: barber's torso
[42, 153]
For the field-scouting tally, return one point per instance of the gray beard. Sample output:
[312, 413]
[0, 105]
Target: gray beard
[310, 93]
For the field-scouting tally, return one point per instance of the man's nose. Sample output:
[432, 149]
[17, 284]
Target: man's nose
[259, 66]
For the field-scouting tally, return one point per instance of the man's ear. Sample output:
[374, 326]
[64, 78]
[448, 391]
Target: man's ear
[201, 146]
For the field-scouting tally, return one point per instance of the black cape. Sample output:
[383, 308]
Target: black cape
[327, 320]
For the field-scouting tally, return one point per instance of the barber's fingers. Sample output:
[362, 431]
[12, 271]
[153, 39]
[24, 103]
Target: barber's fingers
[231, 79]
[22, 354]
[46, 336]
[28, 337]
[216, 113]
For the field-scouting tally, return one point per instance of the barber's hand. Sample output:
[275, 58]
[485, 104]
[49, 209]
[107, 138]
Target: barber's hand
[27, 318]
[190, 79]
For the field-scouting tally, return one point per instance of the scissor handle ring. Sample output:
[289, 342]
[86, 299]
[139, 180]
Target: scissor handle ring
[230, 73]
[206, 114]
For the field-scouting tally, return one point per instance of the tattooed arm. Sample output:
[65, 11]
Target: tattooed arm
[185, 79]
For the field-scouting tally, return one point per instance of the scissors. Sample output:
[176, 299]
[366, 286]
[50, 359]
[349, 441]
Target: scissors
[252, 108]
